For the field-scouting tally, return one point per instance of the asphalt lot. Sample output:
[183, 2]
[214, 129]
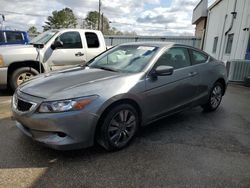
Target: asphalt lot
[190, 149]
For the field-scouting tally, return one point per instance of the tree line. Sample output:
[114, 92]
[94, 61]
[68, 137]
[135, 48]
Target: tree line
[66, 18]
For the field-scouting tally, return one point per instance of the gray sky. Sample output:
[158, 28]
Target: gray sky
[145, 17]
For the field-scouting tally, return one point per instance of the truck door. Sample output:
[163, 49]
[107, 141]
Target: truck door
[72, 52]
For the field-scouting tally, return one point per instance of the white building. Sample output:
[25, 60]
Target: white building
[227, 29]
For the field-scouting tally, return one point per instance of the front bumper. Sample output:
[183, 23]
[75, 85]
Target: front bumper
[3, 77]
[61, 131]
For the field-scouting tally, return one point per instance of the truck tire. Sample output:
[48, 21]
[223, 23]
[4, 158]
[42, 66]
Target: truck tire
[21, 75]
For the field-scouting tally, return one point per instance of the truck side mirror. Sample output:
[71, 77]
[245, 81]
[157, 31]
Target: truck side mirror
[39, 46]
[56, 44]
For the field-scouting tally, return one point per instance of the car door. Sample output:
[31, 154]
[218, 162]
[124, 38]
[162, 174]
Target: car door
[169, 93]
[201, 63]
[70, 54]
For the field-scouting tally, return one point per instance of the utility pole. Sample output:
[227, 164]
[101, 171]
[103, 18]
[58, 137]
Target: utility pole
[102, 23]
[99, 15]
[2, 22]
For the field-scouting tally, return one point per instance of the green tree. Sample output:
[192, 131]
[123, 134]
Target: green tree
[92, 22]
[32, 30]
[64, 18]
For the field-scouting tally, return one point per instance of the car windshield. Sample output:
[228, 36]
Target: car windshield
[44, 37]
[125, 58]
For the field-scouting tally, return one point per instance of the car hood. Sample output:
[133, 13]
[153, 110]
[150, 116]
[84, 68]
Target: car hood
[68, 83]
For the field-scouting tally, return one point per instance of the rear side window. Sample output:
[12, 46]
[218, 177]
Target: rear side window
[2, 37]
[176, 57]
[70, 40]
[13, 36]
[198, 57]
[92, 40]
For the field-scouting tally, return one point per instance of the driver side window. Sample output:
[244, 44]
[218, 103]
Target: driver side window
[176, 57]
[70, 40]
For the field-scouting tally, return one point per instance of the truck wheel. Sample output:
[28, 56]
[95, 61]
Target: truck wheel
[21, 75]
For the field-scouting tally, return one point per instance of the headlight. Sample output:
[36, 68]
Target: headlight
[65, 105]
[1, 61]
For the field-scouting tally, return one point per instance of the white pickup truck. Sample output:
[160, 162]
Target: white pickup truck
[51, 50]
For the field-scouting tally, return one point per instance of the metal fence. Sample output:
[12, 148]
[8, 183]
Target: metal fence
[238, 70]
[187, 40]
[112, 40]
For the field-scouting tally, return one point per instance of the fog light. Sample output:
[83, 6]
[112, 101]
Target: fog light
[62, 135]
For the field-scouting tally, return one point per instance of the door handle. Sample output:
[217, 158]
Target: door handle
[192, 73]
[79, 54]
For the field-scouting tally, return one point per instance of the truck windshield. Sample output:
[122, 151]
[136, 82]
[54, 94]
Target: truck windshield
[125, 58]
[44, 37]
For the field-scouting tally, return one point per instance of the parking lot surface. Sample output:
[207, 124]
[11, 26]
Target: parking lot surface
[189, 149]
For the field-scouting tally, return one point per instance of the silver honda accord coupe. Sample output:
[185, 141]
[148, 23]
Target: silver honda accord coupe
[106, 100]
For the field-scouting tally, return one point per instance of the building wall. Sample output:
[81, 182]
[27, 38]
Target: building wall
[199, 28]
[219, 21]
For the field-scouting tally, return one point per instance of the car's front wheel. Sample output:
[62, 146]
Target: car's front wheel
[119, 127]
[215, 97]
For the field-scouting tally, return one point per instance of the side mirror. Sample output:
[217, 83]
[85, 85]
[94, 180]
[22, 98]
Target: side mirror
[56, 44]
[163, 70]
[39, 46]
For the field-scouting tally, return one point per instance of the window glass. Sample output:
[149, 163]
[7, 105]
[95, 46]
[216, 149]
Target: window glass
[2, 37]
[92, 40]
[43, 38]
[229, 43]
[198, 57]
[127, 58]
[215, 44]
[175, 57]
[13, 36]
[70, 40]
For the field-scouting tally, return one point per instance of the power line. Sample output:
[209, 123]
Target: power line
[20, 13]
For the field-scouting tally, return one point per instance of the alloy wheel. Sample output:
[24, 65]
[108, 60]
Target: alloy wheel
[216, 96]
[122, 127]
[24, 77]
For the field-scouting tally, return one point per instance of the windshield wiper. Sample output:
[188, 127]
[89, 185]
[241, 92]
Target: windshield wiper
[105, 68]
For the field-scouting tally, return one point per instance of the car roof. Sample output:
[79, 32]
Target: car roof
[159, 44]
[156, 44]
[162, 44]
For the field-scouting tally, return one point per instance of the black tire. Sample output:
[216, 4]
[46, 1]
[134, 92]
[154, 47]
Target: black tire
[215, 98]
[13, 81]
[112, 133]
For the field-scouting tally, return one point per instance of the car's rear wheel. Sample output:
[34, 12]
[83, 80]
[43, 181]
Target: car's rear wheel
[119, 127]
[21, 75]
[215, 97]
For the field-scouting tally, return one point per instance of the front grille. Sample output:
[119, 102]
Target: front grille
[23, 105]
